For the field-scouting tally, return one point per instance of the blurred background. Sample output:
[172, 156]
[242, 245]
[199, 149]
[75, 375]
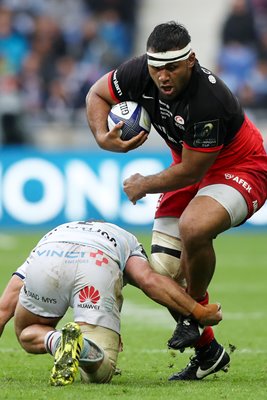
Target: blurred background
[52, 51]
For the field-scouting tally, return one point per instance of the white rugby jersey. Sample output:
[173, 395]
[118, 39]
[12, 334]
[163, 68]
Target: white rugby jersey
[114, 241]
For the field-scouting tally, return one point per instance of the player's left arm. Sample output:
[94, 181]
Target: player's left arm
[167, 292]
[189, 171]
[8, 300]
[98, 104]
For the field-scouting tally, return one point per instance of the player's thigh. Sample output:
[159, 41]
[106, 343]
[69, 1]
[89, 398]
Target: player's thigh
[215, 209]
[203, 218]
[24, 318]
[97, 291]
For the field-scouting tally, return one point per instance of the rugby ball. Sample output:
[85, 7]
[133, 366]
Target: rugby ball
[134, 116]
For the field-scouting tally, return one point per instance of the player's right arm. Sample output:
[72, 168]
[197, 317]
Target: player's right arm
[98, 104]
[167, 292]
[8, 300]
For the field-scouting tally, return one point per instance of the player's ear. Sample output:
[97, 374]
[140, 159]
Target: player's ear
[191, 59]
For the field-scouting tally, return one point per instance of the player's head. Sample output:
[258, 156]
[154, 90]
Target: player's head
[168, 36]
[170, 58]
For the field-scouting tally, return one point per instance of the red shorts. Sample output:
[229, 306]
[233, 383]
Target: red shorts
[243, 166]
[252, 188]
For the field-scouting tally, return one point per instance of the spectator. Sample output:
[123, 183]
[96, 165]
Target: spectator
[238, 56]
[253, 94]
[13, 50]
[51, 52]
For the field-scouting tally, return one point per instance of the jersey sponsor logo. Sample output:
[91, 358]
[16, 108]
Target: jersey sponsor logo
[207, 129]
[62, 254]
[255, 205]
[240, 181]
[106, 235]
[164, 104]
[179, 119]
[116, 84]
[36, 296]
[206, 134]
[89, 297]
[99, 258]
[212, 79]
[206, 71]
[108, 303]
[179, 122]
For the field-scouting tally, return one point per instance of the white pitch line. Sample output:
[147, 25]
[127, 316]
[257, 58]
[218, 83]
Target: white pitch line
[158, 316]
[188, 351]
[7, 242]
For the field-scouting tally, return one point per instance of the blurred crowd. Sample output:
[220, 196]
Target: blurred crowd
[242, 61]
[51, 51]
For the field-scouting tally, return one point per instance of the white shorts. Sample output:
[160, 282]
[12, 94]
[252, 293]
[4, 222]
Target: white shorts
[61, 275]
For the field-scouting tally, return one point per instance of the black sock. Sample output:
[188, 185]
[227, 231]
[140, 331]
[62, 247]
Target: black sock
[208, 350]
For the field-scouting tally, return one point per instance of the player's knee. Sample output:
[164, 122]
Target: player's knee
[166, 254]
[25, 339]
[97, 371]
[100, 365]
[191, 233]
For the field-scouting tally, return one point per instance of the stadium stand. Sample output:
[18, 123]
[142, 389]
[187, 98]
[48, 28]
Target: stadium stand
[51, 52]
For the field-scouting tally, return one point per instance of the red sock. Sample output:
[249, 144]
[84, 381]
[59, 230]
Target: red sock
[208, 334]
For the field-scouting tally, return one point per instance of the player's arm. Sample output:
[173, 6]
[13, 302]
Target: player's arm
[167, 292]
[8, 300]
[98, 104]
[189, 171]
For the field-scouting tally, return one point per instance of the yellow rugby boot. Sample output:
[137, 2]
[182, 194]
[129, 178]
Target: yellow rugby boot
[67, 355]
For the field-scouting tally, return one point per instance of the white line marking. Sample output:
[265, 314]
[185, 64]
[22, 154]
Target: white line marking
[7, 242]
[159, 316]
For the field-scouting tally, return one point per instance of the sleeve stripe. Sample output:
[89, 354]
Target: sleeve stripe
[113, 95]
[19, 275]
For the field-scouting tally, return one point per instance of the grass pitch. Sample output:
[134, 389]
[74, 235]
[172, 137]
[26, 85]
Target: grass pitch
[239, 284]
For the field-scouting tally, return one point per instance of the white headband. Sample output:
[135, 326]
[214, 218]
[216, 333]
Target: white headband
[160, 59]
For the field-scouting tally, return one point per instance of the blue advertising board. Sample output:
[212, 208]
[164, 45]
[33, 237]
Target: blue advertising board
[44, 189]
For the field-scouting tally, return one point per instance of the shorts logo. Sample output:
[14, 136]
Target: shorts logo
[38, 297]
[240, 181]
[89, 294]
[100, 258]
[255, 205]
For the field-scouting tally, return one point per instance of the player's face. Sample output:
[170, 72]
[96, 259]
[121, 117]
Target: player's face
[171, 79]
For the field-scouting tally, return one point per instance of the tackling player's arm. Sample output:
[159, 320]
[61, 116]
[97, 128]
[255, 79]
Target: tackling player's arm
[8, 300]
[98, 104]
[189, 171]
[167, 292]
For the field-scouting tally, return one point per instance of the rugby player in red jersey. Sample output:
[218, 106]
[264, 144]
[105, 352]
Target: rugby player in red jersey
[218, 178]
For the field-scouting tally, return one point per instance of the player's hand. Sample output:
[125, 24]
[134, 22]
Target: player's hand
[212, 315]
[134, 187]
[111, 140]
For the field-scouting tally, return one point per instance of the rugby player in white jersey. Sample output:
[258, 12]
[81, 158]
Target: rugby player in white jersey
[84, 265]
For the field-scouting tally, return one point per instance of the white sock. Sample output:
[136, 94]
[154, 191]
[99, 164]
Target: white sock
[51, 341]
